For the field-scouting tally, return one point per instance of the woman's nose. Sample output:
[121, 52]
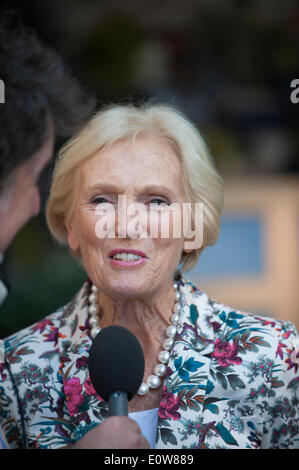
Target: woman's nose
[131, 220]
[124, 220]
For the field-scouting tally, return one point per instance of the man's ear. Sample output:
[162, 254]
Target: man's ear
[72, 237]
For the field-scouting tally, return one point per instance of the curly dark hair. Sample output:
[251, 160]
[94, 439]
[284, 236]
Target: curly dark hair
[38, 87]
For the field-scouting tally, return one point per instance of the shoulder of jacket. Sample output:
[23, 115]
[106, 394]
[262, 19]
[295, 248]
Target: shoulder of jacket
[274, 326]
[53, 318]
[39, 336]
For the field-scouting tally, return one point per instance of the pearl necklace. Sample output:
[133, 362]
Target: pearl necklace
[153, 381]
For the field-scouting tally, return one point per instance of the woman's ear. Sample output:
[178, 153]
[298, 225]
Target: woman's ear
[72, 237]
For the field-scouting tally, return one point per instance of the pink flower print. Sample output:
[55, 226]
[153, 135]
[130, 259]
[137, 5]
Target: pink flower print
[267, 322]
[286, 334]
[279, 351]
[53, 335]
[81, 362]
[89, 389]
[41, 325]
[293, 359]
[72, 390]
[3, 375]
[226, 353]
[169, 405]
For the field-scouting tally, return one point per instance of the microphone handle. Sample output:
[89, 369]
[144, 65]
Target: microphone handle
[118, 404]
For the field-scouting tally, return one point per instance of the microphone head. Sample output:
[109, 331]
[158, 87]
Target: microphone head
[116, 362]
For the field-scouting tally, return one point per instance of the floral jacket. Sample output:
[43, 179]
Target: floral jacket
[232, 379]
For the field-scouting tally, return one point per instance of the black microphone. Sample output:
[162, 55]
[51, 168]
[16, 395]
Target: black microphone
[116, 367]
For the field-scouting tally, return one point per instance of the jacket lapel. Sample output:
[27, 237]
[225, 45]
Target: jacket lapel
[85, 408]
[181, 407]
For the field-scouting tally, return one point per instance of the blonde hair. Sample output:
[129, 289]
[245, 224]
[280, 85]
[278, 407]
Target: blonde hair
[118, 122]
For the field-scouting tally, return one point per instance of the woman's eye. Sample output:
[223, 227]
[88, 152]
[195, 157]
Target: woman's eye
[98, 200]
[158, 202]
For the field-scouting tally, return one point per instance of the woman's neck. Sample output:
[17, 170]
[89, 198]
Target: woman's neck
[147, 318]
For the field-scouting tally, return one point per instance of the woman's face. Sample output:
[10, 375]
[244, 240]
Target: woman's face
[146, 171]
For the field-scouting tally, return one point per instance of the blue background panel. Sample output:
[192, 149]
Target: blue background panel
[238, 252]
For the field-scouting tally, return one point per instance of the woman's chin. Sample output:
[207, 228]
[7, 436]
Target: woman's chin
[127, 285]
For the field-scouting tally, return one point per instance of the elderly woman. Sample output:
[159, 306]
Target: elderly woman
[214, 377]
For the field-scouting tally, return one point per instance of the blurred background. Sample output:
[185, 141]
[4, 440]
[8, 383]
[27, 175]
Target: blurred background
[229, 66]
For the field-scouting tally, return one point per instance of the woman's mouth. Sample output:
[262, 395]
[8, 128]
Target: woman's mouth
[127, 258]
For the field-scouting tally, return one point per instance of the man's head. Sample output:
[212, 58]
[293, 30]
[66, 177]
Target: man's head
[42, 101]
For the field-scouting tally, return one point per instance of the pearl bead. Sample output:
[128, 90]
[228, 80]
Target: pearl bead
[92, 321]
[177, 307]
[171, 331]
[94, 288]
[175, 285]
[164, 356]
[143, 389]
[175, 318]
[92, 298]
[160, 370]
[168, 343]
[177, 295]
[153, 381]
[92, 309]
[94, 331]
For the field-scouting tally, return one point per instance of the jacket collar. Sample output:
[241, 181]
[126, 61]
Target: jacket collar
[186, 383]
